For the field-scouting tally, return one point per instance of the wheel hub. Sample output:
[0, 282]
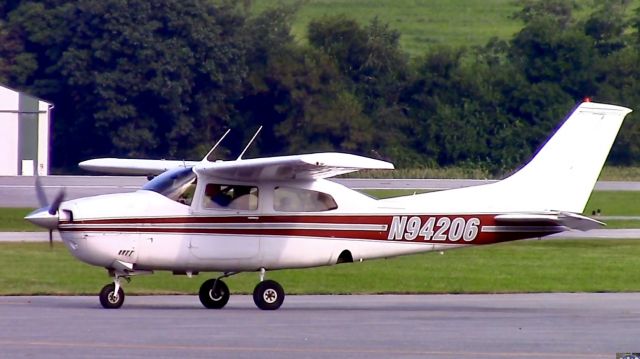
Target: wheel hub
[215, 295]
[113, 297]
[270, 296]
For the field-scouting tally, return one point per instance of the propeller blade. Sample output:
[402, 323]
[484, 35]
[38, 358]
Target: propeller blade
[42, 197]
[47, 216]
[53, 209]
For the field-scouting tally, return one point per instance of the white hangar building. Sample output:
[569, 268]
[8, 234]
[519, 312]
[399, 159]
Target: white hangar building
[24, 134]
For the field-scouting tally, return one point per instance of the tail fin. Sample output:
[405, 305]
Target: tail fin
[566, 168]
[559, 178]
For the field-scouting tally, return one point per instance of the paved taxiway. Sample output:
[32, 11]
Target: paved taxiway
[424, 326]
[17, 191]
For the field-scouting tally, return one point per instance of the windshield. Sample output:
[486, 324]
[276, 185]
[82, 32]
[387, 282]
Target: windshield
[177, 184]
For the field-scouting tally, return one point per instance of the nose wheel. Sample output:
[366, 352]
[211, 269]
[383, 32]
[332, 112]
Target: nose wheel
[110, 297]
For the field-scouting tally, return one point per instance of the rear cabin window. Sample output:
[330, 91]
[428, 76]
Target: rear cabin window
[302, 200]
[225, 196]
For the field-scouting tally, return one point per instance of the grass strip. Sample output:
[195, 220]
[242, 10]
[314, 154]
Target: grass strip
[12, 220]
[423, 24]
[614, 203]
[517, 267]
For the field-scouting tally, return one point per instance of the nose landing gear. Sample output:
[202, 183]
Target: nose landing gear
[112, 295]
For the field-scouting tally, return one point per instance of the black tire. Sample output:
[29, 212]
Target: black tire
[109, 299]
[268, 295]
[214, 298]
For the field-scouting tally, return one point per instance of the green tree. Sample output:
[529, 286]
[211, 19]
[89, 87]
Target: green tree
[128, 78]
[607, 25]
[301, 99]
[560, 10]
[297, 93]
[376, 72]
[566, 57]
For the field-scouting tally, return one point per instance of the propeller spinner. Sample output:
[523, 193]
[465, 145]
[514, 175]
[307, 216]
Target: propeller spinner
[46, 216]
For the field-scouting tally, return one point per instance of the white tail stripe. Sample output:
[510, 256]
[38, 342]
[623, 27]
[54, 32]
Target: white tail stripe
[521, 229]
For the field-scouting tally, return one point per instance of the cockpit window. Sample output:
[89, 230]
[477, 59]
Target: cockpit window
[225, 196]
[177, 184]
[302, 200]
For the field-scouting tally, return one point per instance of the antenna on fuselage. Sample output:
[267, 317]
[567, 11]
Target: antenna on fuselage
[249, 144]
[216, 145]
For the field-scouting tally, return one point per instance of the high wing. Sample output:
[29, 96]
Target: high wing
[130, 166]
[309, 166]
[297, 167]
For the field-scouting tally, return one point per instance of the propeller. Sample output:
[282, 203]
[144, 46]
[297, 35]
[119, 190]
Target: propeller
[47, 215]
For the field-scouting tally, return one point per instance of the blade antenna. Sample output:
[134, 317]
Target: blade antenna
[216, 145]
[249, 144]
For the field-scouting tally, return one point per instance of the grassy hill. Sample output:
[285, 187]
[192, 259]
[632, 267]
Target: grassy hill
[425, 23]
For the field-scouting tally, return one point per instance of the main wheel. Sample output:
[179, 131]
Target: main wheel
[268, 295]
[214, 294]
[109, 298]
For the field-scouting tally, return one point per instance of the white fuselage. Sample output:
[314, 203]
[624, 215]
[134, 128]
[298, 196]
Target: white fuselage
[152, 232]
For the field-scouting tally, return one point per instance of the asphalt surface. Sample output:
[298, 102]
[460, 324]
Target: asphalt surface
[424, 326]
[20, 191]
[383, 326]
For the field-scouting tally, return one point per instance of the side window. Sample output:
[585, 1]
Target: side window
[302, 200]
[224, 196]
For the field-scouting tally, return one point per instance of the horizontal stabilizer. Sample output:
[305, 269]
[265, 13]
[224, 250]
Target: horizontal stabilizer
[569, 220]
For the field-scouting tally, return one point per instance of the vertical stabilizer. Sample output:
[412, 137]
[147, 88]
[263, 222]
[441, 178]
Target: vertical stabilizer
[560, 177]
[563, 173]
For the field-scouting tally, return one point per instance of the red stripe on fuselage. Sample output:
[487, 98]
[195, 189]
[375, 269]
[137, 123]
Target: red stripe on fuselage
[173, 225]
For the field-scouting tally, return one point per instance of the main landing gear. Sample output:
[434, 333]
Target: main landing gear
[214, 294]
[267, 295]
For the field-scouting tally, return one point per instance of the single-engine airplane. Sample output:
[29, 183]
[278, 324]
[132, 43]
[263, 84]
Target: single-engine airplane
[263, 214]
